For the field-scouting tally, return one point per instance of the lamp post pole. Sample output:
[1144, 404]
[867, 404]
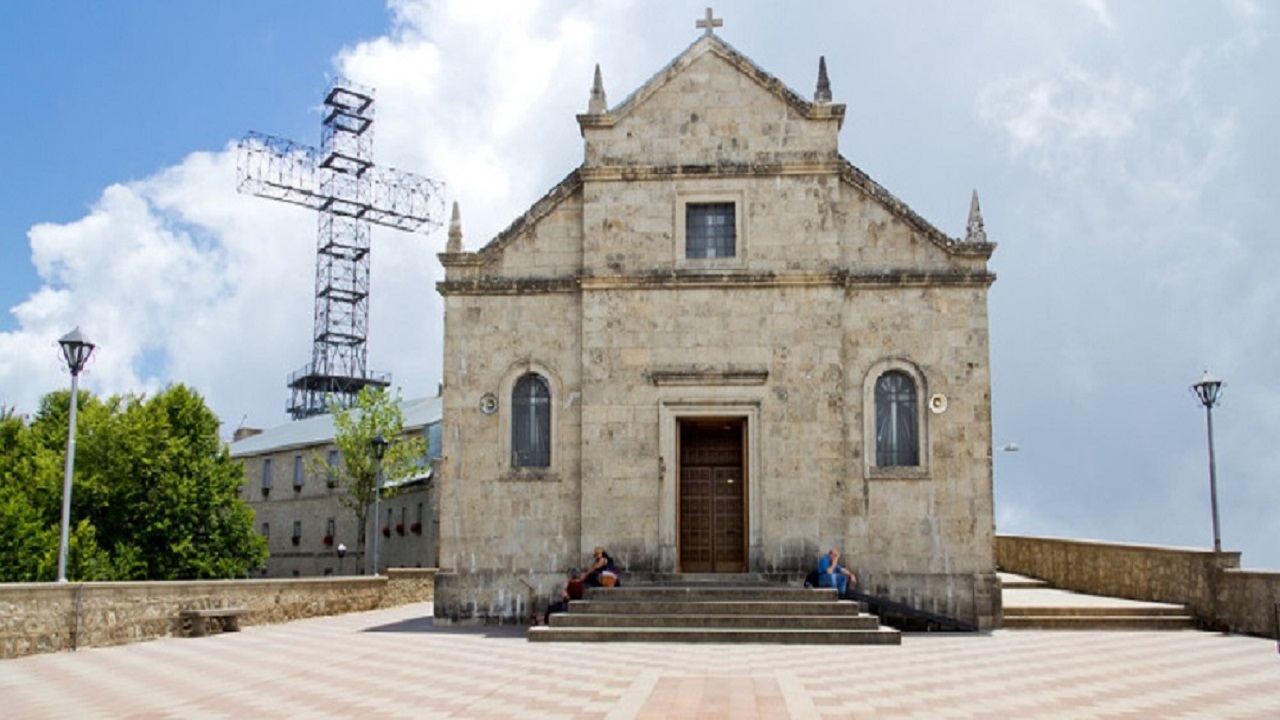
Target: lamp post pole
[342, 553]
[76, 349]
[1208, 390]
[379, 449]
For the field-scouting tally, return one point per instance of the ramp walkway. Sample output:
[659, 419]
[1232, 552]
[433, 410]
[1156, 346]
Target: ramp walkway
[1032, 603]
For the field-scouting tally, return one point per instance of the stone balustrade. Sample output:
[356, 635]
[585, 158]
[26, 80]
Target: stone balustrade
[47, 617]
[1220, 594]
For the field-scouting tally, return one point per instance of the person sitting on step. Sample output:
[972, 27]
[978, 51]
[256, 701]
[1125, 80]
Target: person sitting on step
[834, 575]
[602, 572]
[573, 590]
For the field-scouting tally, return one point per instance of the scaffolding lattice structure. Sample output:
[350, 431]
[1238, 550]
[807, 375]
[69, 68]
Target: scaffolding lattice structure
[341, 182]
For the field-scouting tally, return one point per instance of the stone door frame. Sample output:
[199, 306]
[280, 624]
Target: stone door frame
[670, 413]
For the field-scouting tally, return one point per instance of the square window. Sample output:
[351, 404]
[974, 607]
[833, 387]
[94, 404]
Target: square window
[710, 230]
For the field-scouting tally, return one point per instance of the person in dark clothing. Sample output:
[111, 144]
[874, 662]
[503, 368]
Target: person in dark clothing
[573, 590]
[601, 569]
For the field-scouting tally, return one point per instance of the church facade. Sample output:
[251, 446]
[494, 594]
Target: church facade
[717, 347]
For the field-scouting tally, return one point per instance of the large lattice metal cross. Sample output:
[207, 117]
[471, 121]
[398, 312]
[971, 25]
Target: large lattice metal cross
[340, 181]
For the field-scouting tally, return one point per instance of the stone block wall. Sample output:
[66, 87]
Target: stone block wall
[48, 617]
[1212, 585]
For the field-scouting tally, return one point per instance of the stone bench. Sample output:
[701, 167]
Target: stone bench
[228, 618]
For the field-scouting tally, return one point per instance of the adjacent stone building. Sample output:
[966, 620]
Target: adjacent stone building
[717, 347]
[300, 511]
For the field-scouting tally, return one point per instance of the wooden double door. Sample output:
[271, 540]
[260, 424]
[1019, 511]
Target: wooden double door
[713, 495]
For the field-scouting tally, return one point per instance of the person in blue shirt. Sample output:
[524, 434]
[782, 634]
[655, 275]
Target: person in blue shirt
[834, 575]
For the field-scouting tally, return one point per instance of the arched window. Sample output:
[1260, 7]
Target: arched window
[531, 422]
[897, 429]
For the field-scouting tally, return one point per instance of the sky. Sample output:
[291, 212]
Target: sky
[1125, 153]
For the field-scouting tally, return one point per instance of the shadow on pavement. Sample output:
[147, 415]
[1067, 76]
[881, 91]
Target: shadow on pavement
[427, 625]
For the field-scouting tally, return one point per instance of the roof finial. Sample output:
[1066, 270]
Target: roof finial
[709, 23]
[823, 93]
[975, 232]
[455, 231]
[597, 105]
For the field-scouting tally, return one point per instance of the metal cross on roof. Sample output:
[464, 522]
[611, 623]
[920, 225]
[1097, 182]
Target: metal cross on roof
[709, 23]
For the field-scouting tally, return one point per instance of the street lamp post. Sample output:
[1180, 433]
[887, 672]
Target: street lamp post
[379, 449]
[342, 553]
[76, 350]
[1208, 390]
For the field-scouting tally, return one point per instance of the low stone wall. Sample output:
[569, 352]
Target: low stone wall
[1219, 594]
[47, 617]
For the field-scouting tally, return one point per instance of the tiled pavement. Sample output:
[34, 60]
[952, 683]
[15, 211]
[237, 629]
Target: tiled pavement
[394, 663]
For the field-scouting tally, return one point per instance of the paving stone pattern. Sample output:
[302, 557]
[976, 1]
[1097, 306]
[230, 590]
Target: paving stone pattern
[395, 663]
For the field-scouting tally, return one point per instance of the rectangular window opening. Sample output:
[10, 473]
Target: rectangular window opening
[710, 230]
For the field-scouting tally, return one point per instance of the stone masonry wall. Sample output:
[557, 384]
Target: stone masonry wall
[48, 617]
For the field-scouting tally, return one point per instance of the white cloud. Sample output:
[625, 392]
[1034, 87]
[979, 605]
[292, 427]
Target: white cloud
[1100, 12]
[1061, 118]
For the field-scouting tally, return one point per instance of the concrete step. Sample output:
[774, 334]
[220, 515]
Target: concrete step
[1012, 581]
[728, 610]
[764, 622]
[710, 607]
[879, 636]
[720, 593]
[1097, 611]
[1099, 622]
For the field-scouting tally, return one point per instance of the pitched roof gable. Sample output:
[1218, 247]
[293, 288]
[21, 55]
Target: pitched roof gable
[711, 43]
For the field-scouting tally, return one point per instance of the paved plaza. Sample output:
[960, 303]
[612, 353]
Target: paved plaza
[395, 663]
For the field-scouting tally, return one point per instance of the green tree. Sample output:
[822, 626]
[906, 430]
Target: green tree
[155, 494]
[375, 412]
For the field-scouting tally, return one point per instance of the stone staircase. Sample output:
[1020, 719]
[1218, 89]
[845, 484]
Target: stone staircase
[707, 613]
[1033, 604]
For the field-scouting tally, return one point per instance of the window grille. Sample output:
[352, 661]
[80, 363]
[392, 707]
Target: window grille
[531, 423]
[298, 474]
[897, 430]
[266, 475]
[710, 230]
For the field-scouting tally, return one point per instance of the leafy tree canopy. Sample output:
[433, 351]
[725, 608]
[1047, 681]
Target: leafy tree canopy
[155, 493]
[375, 412]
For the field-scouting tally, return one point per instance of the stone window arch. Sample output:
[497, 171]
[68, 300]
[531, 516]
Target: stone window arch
[895, 425]
[531, 422]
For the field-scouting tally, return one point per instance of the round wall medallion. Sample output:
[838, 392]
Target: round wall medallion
[938, 403]
[488, 403]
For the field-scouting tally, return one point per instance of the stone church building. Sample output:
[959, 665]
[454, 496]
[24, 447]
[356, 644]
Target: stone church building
[717, 346]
